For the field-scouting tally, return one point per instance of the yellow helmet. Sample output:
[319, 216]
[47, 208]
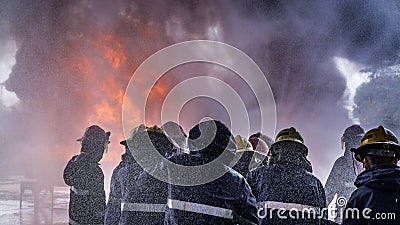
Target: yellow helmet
[242, 144]
[156, 129]
[377, 141]
[134, 131]
[289, 134]
[379, 135]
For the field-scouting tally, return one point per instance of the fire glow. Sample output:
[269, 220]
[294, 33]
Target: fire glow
[110, 91]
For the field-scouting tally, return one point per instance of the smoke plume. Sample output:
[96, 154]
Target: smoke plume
[74, 60]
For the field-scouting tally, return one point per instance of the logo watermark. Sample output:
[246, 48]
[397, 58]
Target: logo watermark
[283, 210]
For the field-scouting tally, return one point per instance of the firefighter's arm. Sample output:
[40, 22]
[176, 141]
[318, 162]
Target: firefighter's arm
[246, 212]
[74, 170]
[70, 171]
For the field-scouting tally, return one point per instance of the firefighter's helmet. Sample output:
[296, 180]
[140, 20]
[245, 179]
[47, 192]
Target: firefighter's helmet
[289, 134]
[268, 140]
[242, 144]
[93, 137]
[173, 129]
[159, 141]
[134, 131]
[378, 141]
[176, 135]
[352, 136]
[211, 136]
[156, 129]
[94, 133]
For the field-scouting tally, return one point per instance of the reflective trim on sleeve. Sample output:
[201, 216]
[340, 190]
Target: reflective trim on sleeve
[142, 207]
[79, 191]
[289, 206]
[200, 208]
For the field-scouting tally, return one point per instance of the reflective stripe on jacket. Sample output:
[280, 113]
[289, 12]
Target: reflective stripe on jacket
[200, 208]
[142, 207]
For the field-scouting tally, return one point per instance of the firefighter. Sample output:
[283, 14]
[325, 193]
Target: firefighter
[377, 197]
[113, 208]
[254, 139]
[245, 152]
[339, 184]
[249, 158]
[84, 175]
[225, 200]
[145, 201]
[286, 186]
[261, 143]
[176, 135]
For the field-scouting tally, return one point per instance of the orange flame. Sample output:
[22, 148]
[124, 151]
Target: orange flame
[154, 103]
[105, 72]
[108, 92]
[111, 49]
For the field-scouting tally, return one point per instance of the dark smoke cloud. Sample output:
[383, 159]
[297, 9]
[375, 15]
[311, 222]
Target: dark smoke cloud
[294, 43]
[371, 110]
[58, 41]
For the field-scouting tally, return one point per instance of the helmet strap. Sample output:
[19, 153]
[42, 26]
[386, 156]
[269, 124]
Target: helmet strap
[106, 146]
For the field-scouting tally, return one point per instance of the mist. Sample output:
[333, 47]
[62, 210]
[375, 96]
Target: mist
[74, 59]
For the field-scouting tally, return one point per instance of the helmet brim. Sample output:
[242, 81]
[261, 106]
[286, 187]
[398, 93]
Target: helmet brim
[374, 148]
[298, 143]
[288, 141]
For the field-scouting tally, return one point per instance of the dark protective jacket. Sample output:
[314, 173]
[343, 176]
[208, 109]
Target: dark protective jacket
[113, 208]
[378, 188]
[288, 185]
[145, 197]
[87, 195]
[145, 204]
[341, 182]
[226, 200]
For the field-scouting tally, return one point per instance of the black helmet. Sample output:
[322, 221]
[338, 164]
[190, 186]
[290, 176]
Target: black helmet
[95, 142]
[352, 135]
[211, 137]
[94, 133]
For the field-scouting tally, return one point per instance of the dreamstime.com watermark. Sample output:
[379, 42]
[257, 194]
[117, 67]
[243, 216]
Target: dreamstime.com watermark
[280, 210]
